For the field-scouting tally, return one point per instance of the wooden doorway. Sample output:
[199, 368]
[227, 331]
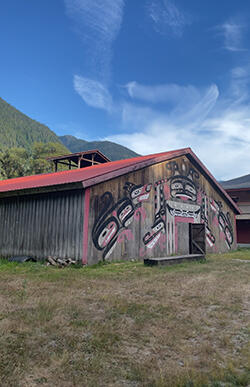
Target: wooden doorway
[197, 238]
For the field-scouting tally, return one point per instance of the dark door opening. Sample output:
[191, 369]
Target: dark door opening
[197, 238]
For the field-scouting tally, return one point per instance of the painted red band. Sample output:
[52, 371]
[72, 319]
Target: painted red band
[86, 226]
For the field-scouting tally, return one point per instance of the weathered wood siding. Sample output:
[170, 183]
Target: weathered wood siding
[42, 225]
[137, 215]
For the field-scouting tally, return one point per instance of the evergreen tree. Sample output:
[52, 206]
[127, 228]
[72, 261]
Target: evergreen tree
[14, 162]
[17, 162]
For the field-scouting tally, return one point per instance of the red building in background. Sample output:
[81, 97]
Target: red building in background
[241, 196]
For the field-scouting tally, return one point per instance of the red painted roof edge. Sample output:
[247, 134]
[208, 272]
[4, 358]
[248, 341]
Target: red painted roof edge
[134, 167]
[118, 170]
[215, 182]
[95, 173]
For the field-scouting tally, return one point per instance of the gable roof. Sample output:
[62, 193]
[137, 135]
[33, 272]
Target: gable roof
[99, 173]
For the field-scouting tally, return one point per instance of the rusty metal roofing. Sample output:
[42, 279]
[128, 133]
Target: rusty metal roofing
[71, 155]
[98, 173]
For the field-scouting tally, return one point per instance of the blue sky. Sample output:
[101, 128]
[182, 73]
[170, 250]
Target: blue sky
[153, 75]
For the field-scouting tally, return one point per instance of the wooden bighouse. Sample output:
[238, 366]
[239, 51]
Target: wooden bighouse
[129, 209]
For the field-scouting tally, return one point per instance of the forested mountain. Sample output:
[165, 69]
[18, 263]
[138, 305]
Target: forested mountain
[110, 149]
[18, 130]
[25, 145]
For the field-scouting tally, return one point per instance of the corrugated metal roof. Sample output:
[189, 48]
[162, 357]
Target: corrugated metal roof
[89, 152]
[98, 173]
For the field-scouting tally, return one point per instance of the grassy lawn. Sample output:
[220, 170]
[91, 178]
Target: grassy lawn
[123, 324]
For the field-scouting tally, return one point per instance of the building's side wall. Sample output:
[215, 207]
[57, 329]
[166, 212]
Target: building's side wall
[42, 225]
[141, 214]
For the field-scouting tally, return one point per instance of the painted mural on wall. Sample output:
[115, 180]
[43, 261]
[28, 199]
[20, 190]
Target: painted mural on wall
[115, 217]
[178, 197]
[224, 222]
[175, 201]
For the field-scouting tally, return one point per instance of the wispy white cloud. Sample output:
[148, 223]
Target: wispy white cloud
[219, 143]
[98, 23]
[94, 93]
[200, 109]
[239, 85]
[167, 18]
[168, 116]
[181, 102]
[165, 93]
[101, 17]
[182, 114]
[218, 130]
[233, 33]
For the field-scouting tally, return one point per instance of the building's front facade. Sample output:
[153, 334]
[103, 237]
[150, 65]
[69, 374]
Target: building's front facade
[146, 213]
[128, 209]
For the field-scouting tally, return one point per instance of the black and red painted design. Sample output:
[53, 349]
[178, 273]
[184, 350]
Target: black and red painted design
[159, 225]
[181, 187]
[117, 216]
[210, 238]
[177, 198]
[224, 221]
[183, 181]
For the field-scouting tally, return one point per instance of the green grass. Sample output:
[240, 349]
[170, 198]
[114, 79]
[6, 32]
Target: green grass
[125, 324]
[240, 253]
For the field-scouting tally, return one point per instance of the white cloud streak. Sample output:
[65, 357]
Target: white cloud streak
[185, 103]
[168, 116]
[171, 93]
[98, 23]
[240, 81]
[101, 17]
[232, 33]
[94, 93]
[167, 18]
[219, 136]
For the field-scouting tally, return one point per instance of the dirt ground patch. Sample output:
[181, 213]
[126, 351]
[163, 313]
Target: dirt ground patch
[124, 324]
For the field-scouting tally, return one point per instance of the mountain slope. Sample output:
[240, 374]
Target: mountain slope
[18, 130]
[238, 182]
[110, 149]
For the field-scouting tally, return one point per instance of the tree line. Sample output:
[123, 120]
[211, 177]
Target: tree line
[17, 162]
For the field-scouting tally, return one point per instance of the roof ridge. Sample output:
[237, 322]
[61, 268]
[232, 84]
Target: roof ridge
[96, 174]
[77, 170]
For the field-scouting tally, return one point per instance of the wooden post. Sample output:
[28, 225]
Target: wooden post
[79, 161]
[69, 164]
[55, 162]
